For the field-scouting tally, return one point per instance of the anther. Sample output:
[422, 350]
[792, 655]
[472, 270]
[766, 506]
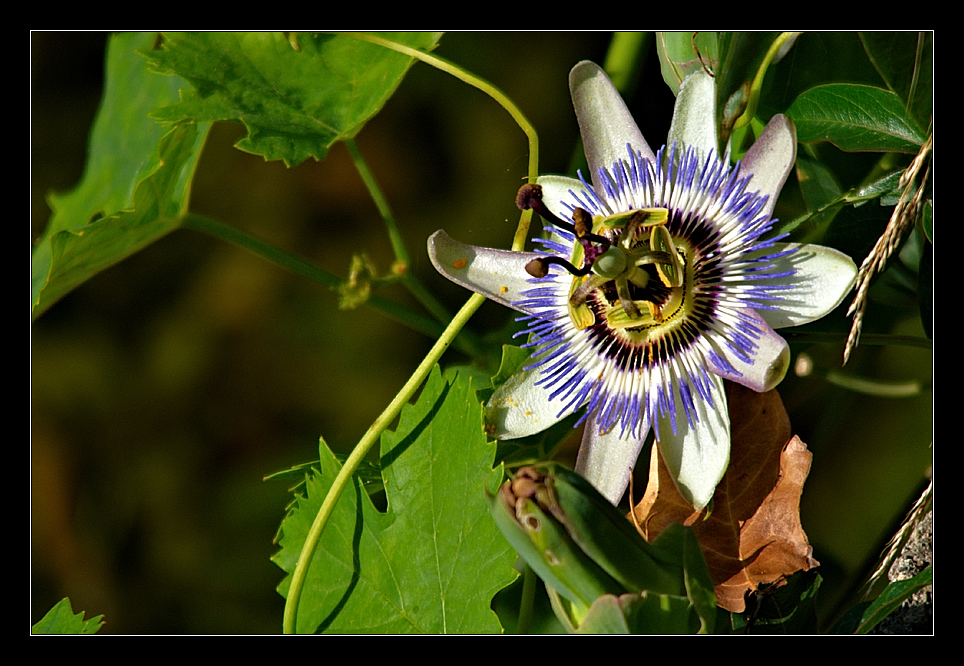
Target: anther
[530, 196]
[582, 221]
[527, 194]
[539, 268]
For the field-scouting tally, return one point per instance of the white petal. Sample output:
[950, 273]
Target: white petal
[694, 117]
[607, 461]
[519, 408]
[605, 123]
[697, 456]
[496, 274]
[556, 189]
[771, 359]
[822, 278]
[770, 159]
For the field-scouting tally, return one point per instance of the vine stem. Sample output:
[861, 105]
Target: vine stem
[783, 40]
[881, 339]
[381, 203]
[522, 232]
[361, 450]
[268, 252]
[468, 342]
[421, 372]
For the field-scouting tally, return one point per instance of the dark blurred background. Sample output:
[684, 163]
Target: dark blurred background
[166, 388]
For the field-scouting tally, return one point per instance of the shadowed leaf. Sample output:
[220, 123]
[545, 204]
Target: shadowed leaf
[136, 181]
[855, 118]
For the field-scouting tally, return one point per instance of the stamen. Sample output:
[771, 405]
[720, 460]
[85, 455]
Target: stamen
[530, 196]
[583, 224]
[539, 268]
[589, 285]
[643, 258]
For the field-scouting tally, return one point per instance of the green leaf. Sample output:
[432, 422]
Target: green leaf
[645, 613]
[904, 61]
[892, 597]
[787, 609]
[295, 104]
[61, 620]
[434, 560]
[855, 118]
[824, 199]
[817, 183]
[865, 616]
[136, 182]
[682, 53]
[741, 56]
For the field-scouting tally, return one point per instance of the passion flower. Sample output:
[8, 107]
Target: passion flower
[657, 279]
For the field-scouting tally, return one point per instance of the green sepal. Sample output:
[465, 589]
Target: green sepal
[548, 549]
[644, 613]
[608, 537]
[602, 576]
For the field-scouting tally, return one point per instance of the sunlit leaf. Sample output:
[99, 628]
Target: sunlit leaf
[61, 620]
[434, 560]
[855, 118]
[136, 182]
[295, 104]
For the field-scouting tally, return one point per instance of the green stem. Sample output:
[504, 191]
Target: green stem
[761, 71]
[879, 339]
[527, 603]
[361, 450]
[522, 231]
[468, 342]
[394, 235]
[878, 388]
[450, 333]
[270, 253]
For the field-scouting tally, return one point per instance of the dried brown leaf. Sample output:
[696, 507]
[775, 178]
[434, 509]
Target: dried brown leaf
[753, 535]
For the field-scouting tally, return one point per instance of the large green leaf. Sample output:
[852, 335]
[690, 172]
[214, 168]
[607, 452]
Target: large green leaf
[294, 103]
[855, 118]
[434, 560]
[136, 182]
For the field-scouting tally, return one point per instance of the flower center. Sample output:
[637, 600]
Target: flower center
[638, 282]
[630, 270]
